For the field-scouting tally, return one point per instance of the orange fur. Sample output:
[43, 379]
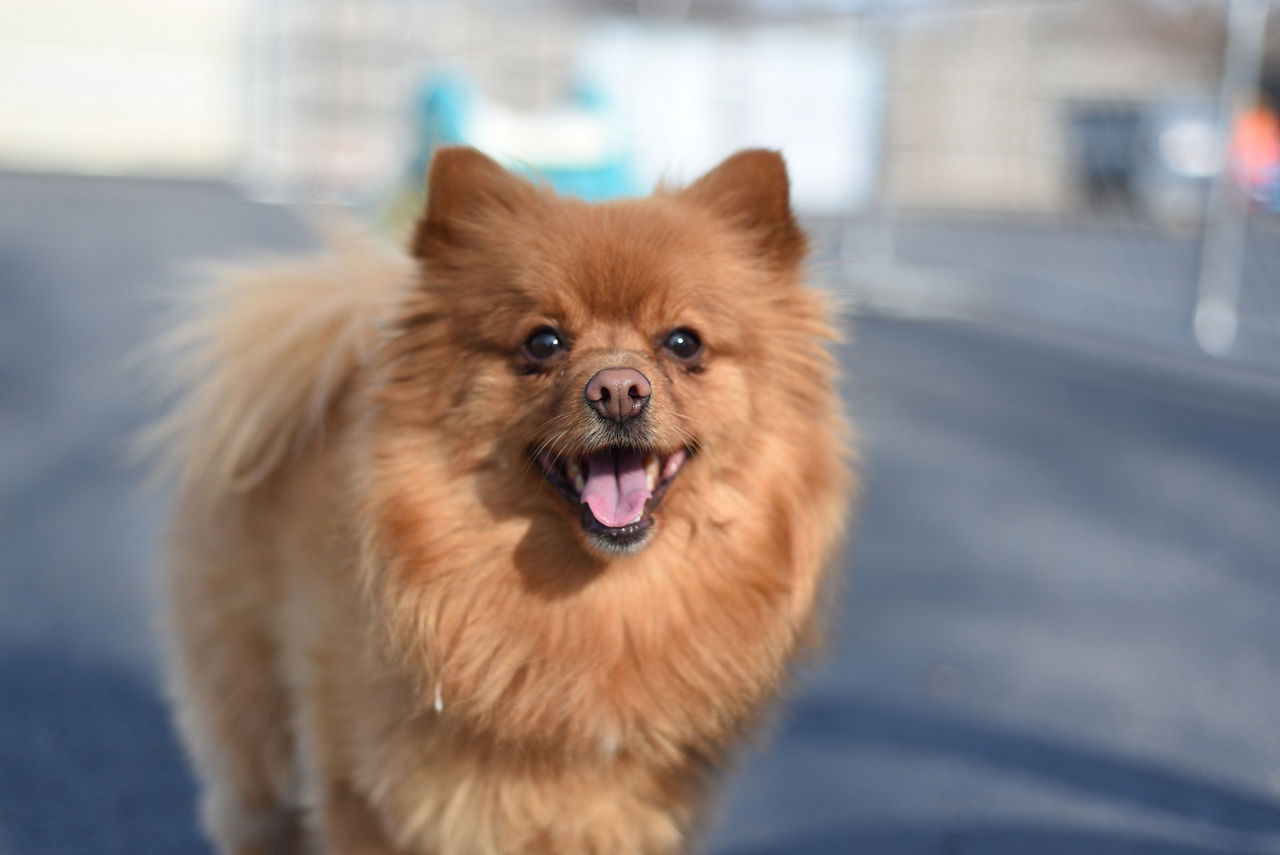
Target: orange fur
[390, 632]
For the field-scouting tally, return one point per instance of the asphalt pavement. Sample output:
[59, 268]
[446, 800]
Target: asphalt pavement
[1060, 631]
[1110, 275]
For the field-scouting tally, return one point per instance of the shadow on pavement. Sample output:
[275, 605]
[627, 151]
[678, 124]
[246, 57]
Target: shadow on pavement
[89, 762]
[924, 839]
[1102, 774]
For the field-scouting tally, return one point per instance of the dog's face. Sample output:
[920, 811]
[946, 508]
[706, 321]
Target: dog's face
[601, 360]
[599, 458]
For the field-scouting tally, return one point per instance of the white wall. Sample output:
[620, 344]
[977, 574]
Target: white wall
[146, 86]
[692, 94]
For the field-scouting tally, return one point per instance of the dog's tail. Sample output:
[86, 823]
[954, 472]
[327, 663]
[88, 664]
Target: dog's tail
[258, 356]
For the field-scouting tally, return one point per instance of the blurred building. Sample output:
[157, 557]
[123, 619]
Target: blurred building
[122, 86]
[935, 145]
[989, 104]
[940, 104]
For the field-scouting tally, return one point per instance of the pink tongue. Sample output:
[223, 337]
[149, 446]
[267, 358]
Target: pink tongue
[615, 490]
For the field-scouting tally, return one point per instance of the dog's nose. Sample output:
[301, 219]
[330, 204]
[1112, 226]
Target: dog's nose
[618, 393]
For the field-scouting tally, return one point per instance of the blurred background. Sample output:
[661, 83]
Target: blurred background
[1057, 223]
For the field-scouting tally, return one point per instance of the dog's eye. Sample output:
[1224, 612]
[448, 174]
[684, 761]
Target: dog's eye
[544, 343]
[683, 343]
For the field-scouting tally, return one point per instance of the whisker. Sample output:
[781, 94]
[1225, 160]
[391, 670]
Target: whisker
[686, 435]
[555, 441]
[563, 435]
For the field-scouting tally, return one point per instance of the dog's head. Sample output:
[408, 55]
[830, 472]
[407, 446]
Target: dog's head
[567, 390]
[598, 360]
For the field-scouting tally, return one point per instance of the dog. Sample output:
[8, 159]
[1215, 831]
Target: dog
[501, 544]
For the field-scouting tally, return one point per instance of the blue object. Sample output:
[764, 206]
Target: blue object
[446, 110]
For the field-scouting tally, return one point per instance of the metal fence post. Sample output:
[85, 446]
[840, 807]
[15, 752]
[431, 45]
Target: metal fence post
[1217, 313]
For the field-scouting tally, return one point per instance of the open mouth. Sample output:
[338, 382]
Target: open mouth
[616, 488]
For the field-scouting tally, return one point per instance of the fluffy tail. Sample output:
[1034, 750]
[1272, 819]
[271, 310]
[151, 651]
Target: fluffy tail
[258, 357]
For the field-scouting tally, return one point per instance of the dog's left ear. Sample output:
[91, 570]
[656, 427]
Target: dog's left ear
[751, 190]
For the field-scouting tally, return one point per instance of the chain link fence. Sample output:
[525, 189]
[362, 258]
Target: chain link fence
[1073, 163]
[1084, 165]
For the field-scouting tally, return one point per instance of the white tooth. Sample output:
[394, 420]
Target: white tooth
[674, 462]
[651, 472]
[579, 483]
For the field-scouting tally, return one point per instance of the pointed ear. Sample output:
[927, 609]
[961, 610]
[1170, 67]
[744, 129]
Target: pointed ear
[751, 190]
[464, 186]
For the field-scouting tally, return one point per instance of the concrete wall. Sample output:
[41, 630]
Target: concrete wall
[978, 97]
[137, 86]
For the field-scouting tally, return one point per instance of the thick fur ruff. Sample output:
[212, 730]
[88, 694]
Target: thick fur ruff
[394, 627]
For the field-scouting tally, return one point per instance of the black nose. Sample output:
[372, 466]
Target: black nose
[618, 393]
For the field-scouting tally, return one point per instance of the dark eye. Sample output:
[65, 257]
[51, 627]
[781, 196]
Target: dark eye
[544, 343]
[683, 343]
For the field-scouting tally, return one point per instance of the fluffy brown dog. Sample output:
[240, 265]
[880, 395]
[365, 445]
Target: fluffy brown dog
[499, 548]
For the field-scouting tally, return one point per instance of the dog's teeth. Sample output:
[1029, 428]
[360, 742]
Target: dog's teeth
[651, 471]
[574, 471]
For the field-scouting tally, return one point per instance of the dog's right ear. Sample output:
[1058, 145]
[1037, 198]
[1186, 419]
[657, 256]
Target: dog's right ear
[463, 187]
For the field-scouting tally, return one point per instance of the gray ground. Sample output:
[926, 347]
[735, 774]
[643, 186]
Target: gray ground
[1060, 633]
